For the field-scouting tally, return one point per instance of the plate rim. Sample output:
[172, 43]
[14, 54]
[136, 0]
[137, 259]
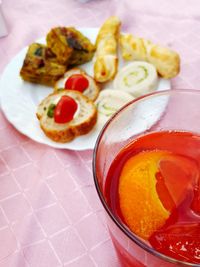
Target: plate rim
[49, 142]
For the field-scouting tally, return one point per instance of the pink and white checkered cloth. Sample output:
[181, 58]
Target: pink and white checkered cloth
[3, 28]
[50, 214]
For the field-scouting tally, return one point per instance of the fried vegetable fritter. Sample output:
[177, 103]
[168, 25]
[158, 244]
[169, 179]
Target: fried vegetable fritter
[40, 66]
[70, 46]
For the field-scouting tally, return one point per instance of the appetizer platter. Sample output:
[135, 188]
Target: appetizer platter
[62, 89]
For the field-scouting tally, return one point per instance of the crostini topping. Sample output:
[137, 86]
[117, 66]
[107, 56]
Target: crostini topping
[65, 109]
[77, 82]
[50, 112]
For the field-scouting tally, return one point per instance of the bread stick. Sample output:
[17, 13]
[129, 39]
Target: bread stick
[106, 61]
[166, 61]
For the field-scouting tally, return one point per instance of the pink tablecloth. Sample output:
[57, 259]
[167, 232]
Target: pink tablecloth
[50, 214]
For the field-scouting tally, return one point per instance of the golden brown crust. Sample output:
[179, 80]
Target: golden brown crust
[110, 28]
[70, 46]
[166, 61]
[87, 125]
[70, 133]
[91, 92]
[105, 66]
[69, 130]
[59, 47]
[40, 66]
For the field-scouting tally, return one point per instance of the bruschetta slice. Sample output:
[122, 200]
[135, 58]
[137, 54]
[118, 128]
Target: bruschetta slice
[65, 115]
[77, 79]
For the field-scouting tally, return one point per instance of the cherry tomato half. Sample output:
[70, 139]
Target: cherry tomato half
[77, 82]
[65, 109]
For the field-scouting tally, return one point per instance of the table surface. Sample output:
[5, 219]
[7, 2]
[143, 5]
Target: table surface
[50, 214]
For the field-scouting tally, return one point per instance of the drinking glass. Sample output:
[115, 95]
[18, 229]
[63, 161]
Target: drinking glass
[177, 110]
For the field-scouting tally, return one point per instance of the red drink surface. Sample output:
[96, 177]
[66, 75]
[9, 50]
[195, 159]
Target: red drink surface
[177, 186]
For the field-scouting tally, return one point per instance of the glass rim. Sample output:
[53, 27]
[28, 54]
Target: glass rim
[124, 229]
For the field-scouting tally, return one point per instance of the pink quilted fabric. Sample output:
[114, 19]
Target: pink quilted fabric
[50, 214]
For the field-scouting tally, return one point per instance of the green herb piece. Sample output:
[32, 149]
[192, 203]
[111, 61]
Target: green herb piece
[132, 77]
[60, 89]
[38, 52]
[50, 112]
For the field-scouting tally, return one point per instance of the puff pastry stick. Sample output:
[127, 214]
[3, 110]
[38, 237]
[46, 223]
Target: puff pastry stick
[166, 61]
[106, 60]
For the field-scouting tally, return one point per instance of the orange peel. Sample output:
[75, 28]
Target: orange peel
[139, 201]
[151, 185]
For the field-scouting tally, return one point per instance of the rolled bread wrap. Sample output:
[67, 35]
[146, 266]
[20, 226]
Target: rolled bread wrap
[106, 60]
[166, 61]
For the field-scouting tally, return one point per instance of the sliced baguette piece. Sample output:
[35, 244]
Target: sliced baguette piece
[84, 118]
[91, 92]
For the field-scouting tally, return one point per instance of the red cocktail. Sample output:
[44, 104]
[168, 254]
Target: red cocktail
[147, 166]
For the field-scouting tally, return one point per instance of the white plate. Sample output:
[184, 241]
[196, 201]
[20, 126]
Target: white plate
[19, 101]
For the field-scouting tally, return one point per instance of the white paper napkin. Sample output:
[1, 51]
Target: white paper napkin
[3, 28]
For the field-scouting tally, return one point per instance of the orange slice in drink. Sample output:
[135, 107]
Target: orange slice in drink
[139, 202]
[151, 185]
